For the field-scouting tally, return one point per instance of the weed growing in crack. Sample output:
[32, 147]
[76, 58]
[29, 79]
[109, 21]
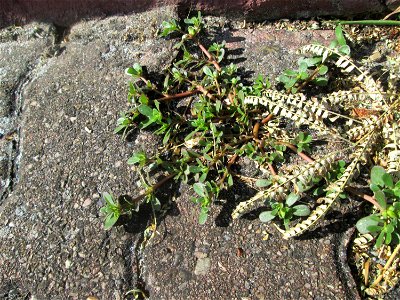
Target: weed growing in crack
[208, 119]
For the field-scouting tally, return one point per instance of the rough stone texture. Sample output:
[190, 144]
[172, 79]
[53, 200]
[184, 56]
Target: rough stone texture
[223, 260]
[51, 237]
[242, 265]
[20, 52]
[69, 90]
[66, 12]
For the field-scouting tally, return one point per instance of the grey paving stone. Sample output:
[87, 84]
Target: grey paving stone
[55, 247]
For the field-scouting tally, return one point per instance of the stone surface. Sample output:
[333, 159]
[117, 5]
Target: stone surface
[70, 86]
[20, 53]
[52, 242]
[66, 12]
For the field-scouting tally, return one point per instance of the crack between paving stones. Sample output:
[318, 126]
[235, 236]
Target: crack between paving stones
[137, 252]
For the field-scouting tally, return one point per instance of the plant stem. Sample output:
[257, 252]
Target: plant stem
[153, 188]
[271, 169]
[209, 56]
[180, 95]
[231, 161]
[364, 196]
[294, 149]
[267, 119]
[370, 22]
[309, 78]
[387, 266]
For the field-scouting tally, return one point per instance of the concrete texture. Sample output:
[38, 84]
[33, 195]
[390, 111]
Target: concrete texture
[66, 12]
[61, 92]
[51, 237]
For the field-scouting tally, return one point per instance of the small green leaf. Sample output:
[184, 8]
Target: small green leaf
[230, 180]
[380, 198]
[344, 50]
[207, 71]
[374, 187]
[195, 169]
[111, 219]
[266, 216]
[145, 110]
[203, 215]
[363, 224]
[321, 81]
[388, 180]
[323, 70]
[377, 173]
[292, 198]
[339, 35]
[167, 136]
[301, 210]
[109, 199]
[374, 228]
[263, 182]
[379, 240]
[200, 189]
[139, 157]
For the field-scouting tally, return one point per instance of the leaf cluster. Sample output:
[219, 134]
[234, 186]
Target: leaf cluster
[384, 224]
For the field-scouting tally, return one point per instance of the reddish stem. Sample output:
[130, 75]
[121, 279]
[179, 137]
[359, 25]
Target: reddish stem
[365, 197]
[210, 57]
[153, 188]
[271, 169]
[267, 119]
[205, 92]
[301, 154]
[255, 130]
[180, 95]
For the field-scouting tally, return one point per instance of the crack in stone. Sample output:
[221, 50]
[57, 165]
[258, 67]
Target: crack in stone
[16, 109]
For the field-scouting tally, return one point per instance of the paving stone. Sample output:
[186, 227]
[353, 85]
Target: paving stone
[238, 263]
[70, 91]
[55, 249]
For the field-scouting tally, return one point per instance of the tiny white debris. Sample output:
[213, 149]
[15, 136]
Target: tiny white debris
[68, 263]
[88, 130]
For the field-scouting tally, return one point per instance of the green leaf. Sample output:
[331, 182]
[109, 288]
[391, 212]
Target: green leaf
[377, 173]
[266, 216]
[344, 50]
[110, 220]
[379, 240]
[374, 187]
[323, 70]
[339, 35]
[388, 180]
[200, 189]
[303, 66]
[166, 137]
[145, 110]
[230, 180]
[388, 238]
[374, 228]
[263, 182]
[292, 198]
[135, 71]
[301, 210]
[203, 215]
[109, 199]
[195, 169]
[380, 198]
[363, 224]
[139, 157]
[207, 71]
[321, 81]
